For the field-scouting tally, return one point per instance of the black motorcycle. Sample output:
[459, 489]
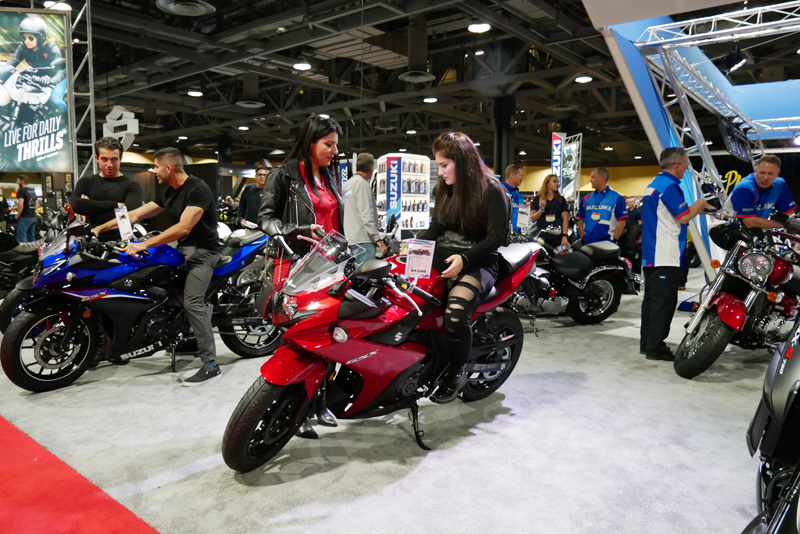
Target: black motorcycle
[586, 284]
[774, 433]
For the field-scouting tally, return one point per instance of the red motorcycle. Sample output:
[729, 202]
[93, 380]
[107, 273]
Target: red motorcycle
[364, 342]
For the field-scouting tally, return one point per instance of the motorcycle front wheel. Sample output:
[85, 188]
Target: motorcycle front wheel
[499, 326]
[598, 300]
[12, 305]
[32, 354]
[700, 350]
[263, 422]
[249, 341]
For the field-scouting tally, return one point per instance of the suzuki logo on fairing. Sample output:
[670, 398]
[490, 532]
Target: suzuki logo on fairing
[398, 336]
[143, 350]
[364, 357]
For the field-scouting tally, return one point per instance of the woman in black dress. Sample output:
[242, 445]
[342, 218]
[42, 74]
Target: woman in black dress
[549, 208]
[470, 222]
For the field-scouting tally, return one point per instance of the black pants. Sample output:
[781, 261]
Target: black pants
[658, 306]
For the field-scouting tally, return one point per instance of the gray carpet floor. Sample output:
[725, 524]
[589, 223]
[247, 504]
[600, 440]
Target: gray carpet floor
[585, 437]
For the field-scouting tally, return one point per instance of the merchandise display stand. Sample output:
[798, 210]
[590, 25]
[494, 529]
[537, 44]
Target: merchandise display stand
[404, 190]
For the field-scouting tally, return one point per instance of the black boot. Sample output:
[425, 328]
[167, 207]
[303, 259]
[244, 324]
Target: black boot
[306, 431]
[451, 385]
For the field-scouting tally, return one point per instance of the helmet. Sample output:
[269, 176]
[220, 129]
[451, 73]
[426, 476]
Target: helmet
[35, 26]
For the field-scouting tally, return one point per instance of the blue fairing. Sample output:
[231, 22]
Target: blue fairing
[241, 257]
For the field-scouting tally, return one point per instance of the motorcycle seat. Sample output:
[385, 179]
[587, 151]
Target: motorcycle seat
[574, 266]
[240, 241]
[20, 260]
[224, 260]
[793, 285]
[512, 258]
[602, 250]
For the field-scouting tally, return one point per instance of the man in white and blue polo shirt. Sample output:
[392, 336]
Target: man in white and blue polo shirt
[602, 213]
[665, 219]
[757, 196]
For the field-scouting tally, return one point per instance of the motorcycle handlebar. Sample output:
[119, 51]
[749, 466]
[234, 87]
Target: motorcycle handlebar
[414, 290]
[320, 233]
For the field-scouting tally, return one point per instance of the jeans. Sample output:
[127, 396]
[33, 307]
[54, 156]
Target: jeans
[368, 254]
[26, 229]
[658, 305]
[200, 263]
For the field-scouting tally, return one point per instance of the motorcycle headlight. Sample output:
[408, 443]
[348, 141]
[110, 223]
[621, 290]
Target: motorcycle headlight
[756, 266]
[5, 98]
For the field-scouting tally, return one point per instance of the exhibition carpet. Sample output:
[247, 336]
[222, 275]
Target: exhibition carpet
[41, 494]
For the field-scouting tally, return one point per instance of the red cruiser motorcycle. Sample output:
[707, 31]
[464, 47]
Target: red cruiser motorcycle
[363, 342]
[753, 300]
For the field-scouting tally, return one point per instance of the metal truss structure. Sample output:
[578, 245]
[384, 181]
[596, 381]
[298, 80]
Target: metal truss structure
[87, 96]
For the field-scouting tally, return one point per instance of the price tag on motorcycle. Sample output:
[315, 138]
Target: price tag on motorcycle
[420, 258]
[124, 223]
[523, 217]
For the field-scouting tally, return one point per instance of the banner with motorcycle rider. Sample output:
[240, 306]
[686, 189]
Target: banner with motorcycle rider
[34, 109]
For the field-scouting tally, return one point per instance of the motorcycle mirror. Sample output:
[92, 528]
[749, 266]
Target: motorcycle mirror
[391, 223]
[372, 269]
[272, 228]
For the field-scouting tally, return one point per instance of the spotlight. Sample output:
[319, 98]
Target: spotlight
[480, 52]
[182, 138]
[479, 27]
[244, 128]
[195, 93]
[302, 64]
[277, 152]
[324, 116]
[608, 148]
[430, 100]
[523, 153]
[402, 149]
[476, 143]
[637, 157]
[411, 131]
[733, 61]
[583, 79]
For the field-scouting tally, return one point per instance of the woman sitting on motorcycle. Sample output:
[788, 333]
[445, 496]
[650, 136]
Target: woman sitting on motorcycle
[302, 193]
[470, 222]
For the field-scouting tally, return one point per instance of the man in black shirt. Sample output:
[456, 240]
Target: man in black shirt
[97, 196]
[190, 202]
[26, 211]
[251, 198]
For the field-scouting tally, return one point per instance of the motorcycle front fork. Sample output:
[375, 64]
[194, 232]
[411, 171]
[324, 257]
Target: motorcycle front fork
[715, 287]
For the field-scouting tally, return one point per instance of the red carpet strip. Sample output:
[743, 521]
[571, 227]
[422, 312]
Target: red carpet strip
[40, 494]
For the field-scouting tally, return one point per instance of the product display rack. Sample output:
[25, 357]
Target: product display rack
[404, 189]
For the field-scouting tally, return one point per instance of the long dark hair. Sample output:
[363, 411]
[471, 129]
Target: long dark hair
[313, 129]
[469, 194]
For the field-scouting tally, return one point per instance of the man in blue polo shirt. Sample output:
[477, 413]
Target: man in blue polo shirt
[602, 214]
[514, 176]
[665, 219]
[758, 195]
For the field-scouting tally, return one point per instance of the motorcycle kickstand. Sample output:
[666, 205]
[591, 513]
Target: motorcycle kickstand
[171, 352]
[418, 434]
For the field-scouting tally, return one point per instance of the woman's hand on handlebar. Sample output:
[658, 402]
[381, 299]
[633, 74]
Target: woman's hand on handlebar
[317, 232]
[456, 264]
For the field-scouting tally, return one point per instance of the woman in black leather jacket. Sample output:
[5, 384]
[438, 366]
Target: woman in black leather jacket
[302, 194]
[470, 223]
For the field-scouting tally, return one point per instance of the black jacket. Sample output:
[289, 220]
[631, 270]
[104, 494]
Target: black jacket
[286, 199]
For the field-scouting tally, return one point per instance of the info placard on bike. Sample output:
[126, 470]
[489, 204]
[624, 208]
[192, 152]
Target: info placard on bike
[523, 217]
[124, 223]
[420, 258]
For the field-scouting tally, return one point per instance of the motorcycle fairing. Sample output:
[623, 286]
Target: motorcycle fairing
[291, 364]
[242, 255]
[731, 310]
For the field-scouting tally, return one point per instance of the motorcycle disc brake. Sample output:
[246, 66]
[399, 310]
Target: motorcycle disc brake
[47, 344]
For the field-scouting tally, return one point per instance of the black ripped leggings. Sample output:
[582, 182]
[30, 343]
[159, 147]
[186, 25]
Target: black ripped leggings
[471, 285]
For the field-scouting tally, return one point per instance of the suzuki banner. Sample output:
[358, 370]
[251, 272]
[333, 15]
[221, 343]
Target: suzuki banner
[34, 101]
[394, 179]
[556, 155]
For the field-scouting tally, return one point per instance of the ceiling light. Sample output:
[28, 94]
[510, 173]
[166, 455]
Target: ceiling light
[250, 104]
[466, 55]
[479, 27]
[476, 143]
[523, 153]
[709, 142]
[411, 131]
[135, 144]
[562, 107]
[671, 95]
[58, 6]
[402, 149]
[324, 116]
[479, 52]
[608, 148]
[302, 65]
[341, 154]
[277, 152]
[798, 50]
[244, 128]
[733, 61]
[583, 79]
[185, 8]
[637, 157]
[195, 93]
[430, 100]
[182, 138]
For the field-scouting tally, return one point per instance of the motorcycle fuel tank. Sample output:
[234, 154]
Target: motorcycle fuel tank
[782, 272]
[782, 381]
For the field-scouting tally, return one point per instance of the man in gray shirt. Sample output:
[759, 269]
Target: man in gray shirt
[360, 213]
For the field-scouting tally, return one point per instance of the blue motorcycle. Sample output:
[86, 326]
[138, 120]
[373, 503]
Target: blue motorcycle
[90, 291]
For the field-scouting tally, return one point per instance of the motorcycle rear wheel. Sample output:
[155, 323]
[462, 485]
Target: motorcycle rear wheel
[31, 356]
[11, 306]
[698, 352]
[601, 298]
[500, 324]
[263, 422]
[247, 341]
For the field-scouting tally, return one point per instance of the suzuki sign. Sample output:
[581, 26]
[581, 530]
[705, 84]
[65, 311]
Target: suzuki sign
[556, 156]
